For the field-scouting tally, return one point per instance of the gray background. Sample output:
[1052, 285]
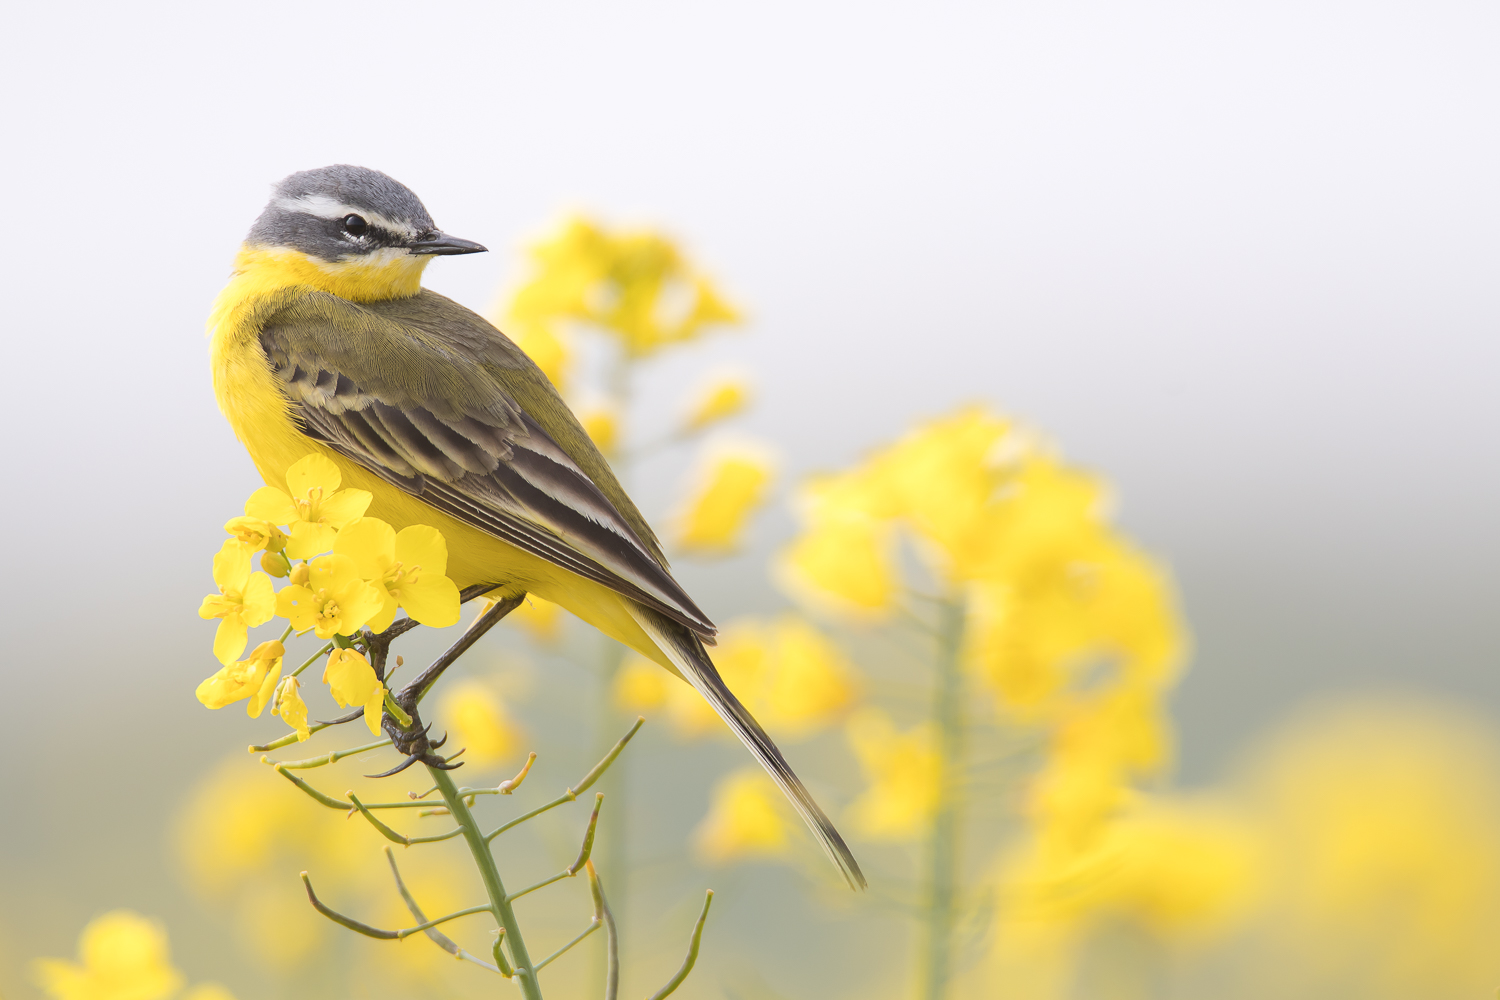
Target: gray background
[1239, 257]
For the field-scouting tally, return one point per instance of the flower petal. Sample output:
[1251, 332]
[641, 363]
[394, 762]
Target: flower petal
[420, 545]
[371, 543]
[344, 506]
[298, 606]
[267, 688]
[313, 472]
[258, 599]
[349, 677]
[231, 565]
[309, 539]
[375, 709]
[382, 619]
[433, 600]
[270, 504]
[229, 640]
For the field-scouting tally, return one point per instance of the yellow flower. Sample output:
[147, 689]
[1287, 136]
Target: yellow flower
[255, 534]
[254, 678]
[335, 601]
[602, 426]
[208, 991]
[289, 705]
[808, 682]
[408, 567]
[643, 686]
[244, 601]
[634, 285]
[276, 564]
[746, 818]
[541, 343]
[718, 400]
[844, 562]
[730, 488]
[542, 619]
[904, 772]
[480, 722]
[121, 956]
[351, 680]
[314, 507]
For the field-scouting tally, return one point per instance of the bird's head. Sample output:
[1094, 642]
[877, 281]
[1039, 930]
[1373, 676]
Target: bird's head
[347, 230]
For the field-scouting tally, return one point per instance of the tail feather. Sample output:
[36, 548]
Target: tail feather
[686, 652]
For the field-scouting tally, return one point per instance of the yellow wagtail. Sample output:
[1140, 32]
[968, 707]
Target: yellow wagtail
[324, 340]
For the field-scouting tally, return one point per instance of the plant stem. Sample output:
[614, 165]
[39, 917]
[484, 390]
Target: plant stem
[942, 845]
[485, 861]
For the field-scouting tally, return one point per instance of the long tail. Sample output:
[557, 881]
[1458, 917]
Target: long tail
[686, 651]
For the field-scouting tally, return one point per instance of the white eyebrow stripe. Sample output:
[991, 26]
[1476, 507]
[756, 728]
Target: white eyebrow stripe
[325, 207]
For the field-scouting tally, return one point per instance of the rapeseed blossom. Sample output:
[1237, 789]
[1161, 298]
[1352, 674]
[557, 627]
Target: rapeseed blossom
[715, 401]
[254, 678]
[288, 704]
[121, 956]
[312, 505]
[352, 681]
[407, 567]
[731, 486]
[904, 773]
[336, 600]
[244, 600]
[746, 818]
[479, 721]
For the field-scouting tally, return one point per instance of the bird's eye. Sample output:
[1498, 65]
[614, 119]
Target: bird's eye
[354, 225]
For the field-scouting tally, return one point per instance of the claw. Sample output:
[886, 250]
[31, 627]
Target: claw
[440, 742]
[433, 760]
[408, 762]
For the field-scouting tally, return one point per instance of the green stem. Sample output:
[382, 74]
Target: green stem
[942, 846]
[485, 861]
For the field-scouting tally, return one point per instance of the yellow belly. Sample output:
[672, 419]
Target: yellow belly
[252, 401]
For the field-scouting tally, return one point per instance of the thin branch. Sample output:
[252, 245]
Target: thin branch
[584, 851]
[611, 939]
[592, 927]
[540, 885]
[437, 937]
[327, 758]
[328, 648]
[572, 793]
[469, 912]
[318, 796]
[339, 918]
[392, 835]
[692, 955]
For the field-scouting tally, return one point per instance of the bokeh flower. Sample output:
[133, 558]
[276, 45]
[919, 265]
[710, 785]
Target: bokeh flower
[408, 567]
[244, 600]
[843, 561]
[478, 720]
[254, 678]
[746, 818]
[312, 506]
[121, 956]
[731, 485]
[542, 619]
[602, 424]
[904, 774]
[336, 599]
[715, 401]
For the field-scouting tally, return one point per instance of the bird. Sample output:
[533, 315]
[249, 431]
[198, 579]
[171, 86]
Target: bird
[325, 341]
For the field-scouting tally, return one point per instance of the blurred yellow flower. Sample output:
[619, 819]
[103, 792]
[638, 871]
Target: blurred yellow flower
[254, 677]
[635, 285]
[289, 705]
[602, 425]
[244, 600]
[256, 535]
[806, 681]
[904, 772]
[541, 343]
[746, 818]
[208, 991]
[843, 562]
[542, 619]
[314, 507]
[717, 400]
[731, 486]
[335, 601]
[121, 956]
[1384, 824]
[478, 720]
[407, 566]
[351, 680]
[643, 686]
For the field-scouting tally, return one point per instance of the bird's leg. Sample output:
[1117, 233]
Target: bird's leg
[412, 740]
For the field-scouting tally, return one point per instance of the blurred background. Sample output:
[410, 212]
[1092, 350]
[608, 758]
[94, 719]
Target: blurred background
[1236, 260]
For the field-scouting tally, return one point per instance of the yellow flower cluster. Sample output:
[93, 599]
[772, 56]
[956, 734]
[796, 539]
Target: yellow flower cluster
[792, 678]
[121, 956]
[731, 485]
[352, 572]
[635, 285]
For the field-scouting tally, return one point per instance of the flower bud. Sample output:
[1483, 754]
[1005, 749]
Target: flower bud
[299, 575]
[275, 563]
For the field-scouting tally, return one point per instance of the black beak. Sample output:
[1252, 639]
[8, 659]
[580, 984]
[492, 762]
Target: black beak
[443, 244]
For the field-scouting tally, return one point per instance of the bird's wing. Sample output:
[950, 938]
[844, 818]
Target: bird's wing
[439, 403]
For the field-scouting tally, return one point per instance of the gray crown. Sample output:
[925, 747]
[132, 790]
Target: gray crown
[307, 212]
